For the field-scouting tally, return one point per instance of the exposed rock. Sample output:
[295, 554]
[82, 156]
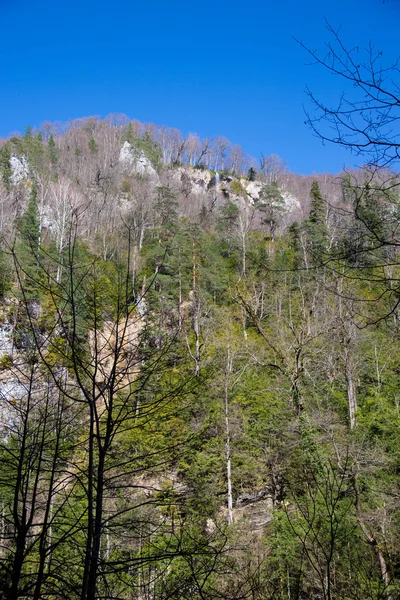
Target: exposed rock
[194, 181]
[6, 338]
[19, 169]
[136, 162]
[255, 507]
[258, 514]
[291, 202]
[127, 364]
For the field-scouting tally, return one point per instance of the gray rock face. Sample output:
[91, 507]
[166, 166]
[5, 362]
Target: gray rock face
[136, 163]
[19, 169]
[256, 508]
[6, 338]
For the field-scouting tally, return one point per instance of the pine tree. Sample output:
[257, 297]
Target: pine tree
[317, 206]
[166, 211]
[93, 147]
[32, 147]
[129, 137]
[29, 244]
[52, 151]
[272, 204]
[229, 215]
[317, 229]
[6, 170]
[30, 224]
[251, 174]
[294, 232]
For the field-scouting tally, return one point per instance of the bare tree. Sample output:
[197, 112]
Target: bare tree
[365, 116]
[273, 168]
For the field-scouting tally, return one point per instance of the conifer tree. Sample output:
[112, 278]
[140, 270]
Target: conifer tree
[317, 206]
[30, 225]
[32, 147]
[51, 149]
[29, 244]
[129, 136]
[6, 170]
[272, 204]
[251, 174]
[165, 208]
[318, 231]
[93, 147]
[294, 232]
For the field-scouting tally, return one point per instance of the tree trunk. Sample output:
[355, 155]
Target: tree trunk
[372, 540]
[228, 371]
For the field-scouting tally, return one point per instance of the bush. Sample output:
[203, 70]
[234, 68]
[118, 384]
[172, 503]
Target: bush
[238, 189]
[6, 361]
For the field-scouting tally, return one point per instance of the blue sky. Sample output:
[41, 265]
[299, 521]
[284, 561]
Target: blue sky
[214, 68]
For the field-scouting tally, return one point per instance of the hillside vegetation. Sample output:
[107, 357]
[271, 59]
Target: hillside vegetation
[199, 371]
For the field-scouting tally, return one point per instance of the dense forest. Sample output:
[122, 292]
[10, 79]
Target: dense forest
[199, 371]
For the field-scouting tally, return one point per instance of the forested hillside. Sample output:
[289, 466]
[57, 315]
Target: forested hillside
[199, 371]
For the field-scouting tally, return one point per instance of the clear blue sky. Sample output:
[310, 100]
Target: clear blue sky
[215, 68]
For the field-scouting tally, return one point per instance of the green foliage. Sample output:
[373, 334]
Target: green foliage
[126, 187]
[165, 208]
[317, 206]
[6, 361]
[251, 174]
[272, 206]
[316, 226]
[229, 215]
[33, 149]
[237, 188]
[294, 234]
[27, 251]
[146, 145]
[52, 150]
[29, 224]
[93, 146]
[276, 347]
[6, 170]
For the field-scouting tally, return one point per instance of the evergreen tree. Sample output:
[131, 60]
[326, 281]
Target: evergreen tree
[294, 232]
[93, 147]
[52, 151]
[129, 137]
[6, 170]
[30, 224]
[166, 211]
[317, 229]
[227, 221]
[317, 206]
[272, 204]
[229, 214]
[251, 174]
[32, 147]
[29, 244]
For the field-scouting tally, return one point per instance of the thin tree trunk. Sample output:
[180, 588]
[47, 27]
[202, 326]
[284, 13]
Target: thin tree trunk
[372, 541]
[228, 371]
[351, 390]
